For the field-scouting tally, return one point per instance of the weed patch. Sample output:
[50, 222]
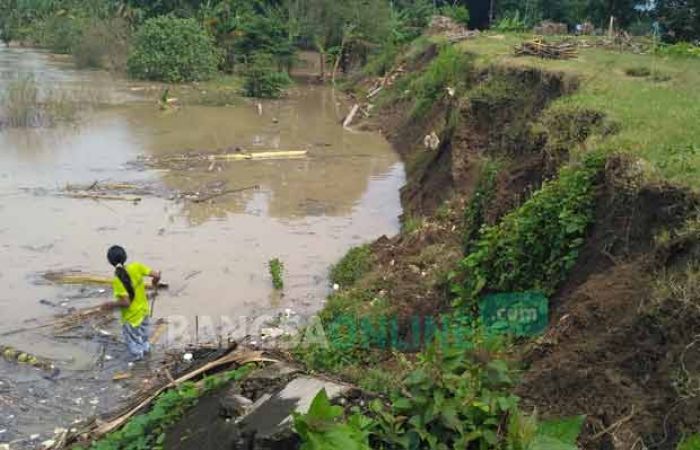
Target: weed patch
[356, 262]
[276, 268]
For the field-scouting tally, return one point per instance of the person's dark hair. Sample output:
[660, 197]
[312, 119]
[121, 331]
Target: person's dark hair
[116, 256]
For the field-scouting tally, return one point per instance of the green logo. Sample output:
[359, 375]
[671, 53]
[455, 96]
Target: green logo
[518, 313]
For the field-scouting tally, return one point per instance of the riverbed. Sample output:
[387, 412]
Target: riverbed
[307, 212]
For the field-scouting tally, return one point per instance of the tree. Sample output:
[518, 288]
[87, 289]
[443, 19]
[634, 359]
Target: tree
[680, 19]
[171, 49]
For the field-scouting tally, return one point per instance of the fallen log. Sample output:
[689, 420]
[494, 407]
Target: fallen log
[260, 155]
[351, 115]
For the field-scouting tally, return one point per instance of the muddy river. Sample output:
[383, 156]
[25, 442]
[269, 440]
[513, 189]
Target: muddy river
[307, 212]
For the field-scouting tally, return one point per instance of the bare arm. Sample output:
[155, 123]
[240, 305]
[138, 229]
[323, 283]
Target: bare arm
[121, 302]
[155, 277]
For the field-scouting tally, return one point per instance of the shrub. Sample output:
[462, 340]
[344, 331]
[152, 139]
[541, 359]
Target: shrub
[58, 33]
[449, 69]
[103, 44]
[171, 49]
[681, 49]
[356, 262]
[535, 246]
[459, 13]
[511, 23]
[262, 79]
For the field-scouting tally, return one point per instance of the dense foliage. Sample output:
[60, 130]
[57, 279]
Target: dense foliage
[535, 246]
[450, 399]
[263, 79]
[171, 49]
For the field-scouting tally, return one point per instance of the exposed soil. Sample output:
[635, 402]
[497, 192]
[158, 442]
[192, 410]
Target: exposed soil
[614, 351]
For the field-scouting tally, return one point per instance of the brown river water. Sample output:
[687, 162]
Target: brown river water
[214, 256]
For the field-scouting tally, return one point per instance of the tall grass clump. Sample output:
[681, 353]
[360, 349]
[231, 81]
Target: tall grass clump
[103, 44]
[449, 69]
[22, 105]
[263, 79]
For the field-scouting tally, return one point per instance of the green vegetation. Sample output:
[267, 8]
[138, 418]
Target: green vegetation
[457, 12]
[172, 49]
[103, 44]
[690, 443]
[147, 431]
[323, 427]
[261, 79]
[451, 398]
[276, 268]
[534, 247]
[356, 262]
[447, 70]
[22, 105]
[657, 115]
[474, 212]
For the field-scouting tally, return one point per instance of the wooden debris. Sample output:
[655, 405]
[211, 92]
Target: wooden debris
[206, 198]
[351, 115]
[260, 155]
[75, 277]
[118, 198]
[237, 357]
[539, 47]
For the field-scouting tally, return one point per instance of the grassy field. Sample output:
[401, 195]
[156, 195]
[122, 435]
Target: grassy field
[659, 113]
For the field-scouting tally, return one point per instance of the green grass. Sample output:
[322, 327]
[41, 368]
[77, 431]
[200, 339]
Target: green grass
[222, 90]
[659, 115]
[276, 268]
[356, 262]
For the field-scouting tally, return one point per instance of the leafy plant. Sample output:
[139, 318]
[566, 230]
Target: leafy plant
[457, 12]
[263, 79]
[323, 427]
[356, 262]
[475, 210]
[529, 433]
[680, 49]
[511, 23]
[535, 246]
[450, 400]
[692, 442]
[171, 49]
[276, 268]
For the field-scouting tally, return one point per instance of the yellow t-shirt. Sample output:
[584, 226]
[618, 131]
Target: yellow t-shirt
[139, 308]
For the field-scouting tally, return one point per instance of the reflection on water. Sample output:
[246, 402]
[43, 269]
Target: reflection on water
[307, 212]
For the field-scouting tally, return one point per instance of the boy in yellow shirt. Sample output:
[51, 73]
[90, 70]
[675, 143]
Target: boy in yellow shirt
[130, 294]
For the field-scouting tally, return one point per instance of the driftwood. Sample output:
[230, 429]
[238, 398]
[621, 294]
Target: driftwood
[542, 49]
[351, 115]
[100, 196]
[260, 155]
[206, 198]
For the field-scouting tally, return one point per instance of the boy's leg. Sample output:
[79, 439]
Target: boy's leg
[133, 340]
[145, 332]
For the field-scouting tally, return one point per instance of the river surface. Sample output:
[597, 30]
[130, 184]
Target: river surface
[214, 255]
